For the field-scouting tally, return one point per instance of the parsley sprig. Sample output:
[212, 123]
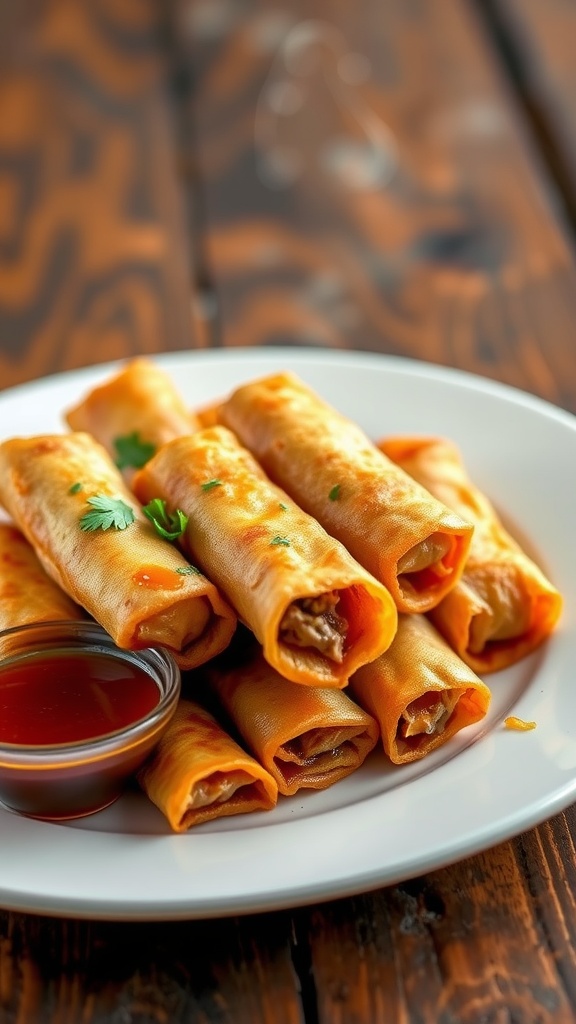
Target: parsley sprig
[188, 570]
[107, 512]
[132, 452]
[169, 525]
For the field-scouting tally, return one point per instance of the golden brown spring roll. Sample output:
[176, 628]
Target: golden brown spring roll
[133, 413]
[405, 537]
[420, 692]
[503, 607]
[27, 594]
[136, 585]
[307, 737]
[198, 772]
[317, 613]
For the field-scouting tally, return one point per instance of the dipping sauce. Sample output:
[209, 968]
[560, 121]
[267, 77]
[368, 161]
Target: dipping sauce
[69, 696]
[78, 716]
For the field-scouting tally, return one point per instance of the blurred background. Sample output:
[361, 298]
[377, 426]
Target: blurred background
[395, 177]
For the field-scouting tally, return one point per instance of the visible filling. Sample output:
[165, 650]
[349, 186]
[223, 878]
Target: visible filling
[428, 552]
[217, 789]
[177, 626]
[315, 743]
[313, 622]
[428, 714]
[506, 614]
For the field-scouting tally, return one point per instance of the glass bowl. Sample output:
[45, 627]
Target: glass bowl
[78, 716]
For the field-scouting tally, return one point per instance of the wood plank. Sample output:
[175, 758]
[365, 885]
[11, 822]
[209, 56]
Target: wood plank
[94, 261]
[229, 972]
[459, 257]
[538, 40]
[481, 940]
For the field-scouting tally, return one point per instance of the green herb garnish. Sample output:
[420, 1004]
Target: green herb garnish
[107, 512]
[75, 488]
[169, 525]
[283, 541]
[132, 452]
[188, 570]
[210, 484]
[334, 493]
[282, 506]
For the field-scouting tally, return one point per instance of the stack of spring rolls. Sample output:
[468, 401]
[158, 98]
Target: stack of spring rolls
[322, 592]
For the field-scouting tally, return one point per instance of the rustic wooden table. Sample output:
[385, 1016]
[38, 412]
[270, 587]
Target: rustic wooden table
[397, 177]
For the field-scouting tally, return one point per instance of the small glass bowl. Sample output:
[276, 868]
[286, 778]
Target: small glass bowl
[57, 781]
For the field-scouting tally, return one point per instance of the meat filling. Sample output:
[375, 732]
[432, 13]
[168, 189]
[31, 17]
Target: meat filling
[313, 622]
[428, 714]
[217, 788]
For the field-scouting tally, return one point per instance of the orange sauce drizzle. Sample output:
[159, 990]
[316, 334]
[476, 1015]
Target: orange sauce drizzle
[518, 724]
[157, 577]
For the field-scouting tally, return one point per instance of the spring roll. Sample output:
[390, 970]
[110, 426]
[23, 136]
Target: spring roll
[139, 587]
[307, 737]
[420, 692]
[503, 606]
[133, 413]
[403, 535]
[27, 594]
[317, 613]
[198, 772]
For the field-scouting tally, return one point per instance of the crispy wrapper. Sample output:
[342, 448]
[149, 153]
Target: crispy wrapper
[504, 606]
[403, 535]
[140, 399]
[307, 737]
[420, 692]
[131, 581]
[317, 613]
[198, 772]
[27, 593]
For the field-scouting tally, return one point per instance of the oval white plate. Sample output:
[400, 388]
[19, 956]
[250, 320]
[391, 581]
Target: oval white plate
[382, 824]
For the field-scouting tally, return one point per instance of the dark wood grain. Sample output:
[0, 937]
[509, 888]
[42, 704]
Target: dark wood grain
[460, 256]
[94, 260]
[537, 41]
[461, 945]
[227, 971]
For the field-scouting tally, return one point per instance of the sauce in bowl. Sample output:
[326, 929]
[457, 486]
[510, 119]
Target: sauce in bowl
[68, 697]
[78, 716]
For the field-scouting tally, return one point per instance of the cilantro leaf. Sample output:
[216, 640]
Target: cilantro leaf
[132, 452]
[334, 493]
[107, 512]
[188, 570]
[75, 488]
[283, 541]
[169, 525]
[210, 484]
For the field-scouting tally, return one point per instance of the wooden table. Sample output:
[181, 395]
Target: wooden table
[397, 177]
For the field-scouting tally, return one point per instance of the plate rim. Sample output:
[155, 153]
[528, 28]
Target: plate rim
[313, 891]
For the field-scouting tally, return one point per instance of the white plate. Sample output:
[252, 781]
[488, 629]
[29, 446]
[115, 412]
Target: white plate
[382, 824]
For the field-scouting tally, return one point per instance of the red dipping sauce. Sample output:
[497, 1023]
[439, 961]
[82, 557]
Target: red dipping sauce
[67, 697]
[78, 716]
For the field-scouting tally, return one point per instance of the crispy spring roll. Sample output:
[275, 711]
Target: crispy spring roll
[503, 607]
[137, 586]
[317, 613]
[27, 594]
[307, 737]
[198, 772]
[420, 692]
[405, 537]
[133, 413]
